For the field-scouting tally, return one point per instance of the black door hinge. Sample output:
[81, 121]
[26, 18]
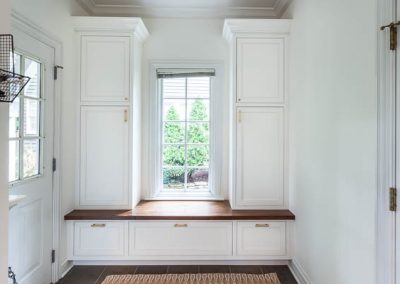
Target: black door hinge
[53, 256]
[54, 165]
[393, 199]
[393, 34]
[56, 71]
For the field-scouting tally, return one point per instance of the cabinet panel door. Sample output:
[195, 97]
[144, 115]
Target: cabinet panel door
[104, 156]
[260, 157]
[178, 238]
[261, 238]
[99, 238]
[260, 70]
[105, 69]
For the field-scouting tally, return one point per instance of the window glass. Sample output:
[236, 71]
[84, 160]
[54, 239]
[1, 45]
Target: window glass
[185, 134]
[25, 139]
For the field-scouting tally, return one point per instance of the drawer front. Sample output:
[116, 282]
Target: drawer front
[177, 238]
[261, 238]
[99, 238]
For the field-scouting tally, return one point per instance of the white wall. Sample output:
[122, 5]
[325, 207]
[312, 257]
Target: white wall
[333, 139]
[5, 16]
[185, 39]
[54, 17]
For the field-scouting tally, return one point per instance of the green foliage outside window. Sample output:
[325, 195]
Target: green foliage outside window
[175, 133]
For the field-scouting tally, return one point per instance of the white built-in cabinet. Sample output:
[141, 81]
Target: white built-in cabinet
[258, 127]
[109, 52]
[179, 240]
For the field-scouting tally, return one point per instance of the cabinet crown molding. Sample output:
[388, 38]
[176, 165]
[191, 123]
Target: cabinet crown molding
[132, 25]
[237, 27]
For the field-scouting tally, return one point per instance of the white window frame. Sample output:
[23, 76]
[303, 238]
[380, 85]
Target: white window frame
[154, 180]
[21, 138]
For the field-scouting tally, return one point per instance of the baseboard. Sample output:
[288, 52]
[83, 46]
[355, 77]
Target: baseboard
[299, 273]
[181, 262]
[66, 266]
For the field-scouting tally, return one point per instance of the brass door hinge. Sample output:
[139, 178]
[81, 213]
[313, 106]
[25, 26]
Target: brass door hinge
[393, 199]
[393, 34]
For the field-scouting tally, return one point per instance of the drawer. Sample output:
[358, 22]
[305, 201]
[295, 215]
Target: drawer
[99, 238]
[180, 238]
[261, 238]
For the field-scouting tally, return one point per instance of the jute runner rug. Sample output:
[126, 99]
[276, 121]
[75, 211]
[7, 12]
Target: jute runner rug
[215, 278]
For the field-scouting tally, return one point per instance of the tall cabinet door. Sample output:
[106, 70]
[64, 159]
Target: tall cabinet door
[260, 70]
[260, 157]
[104, 156]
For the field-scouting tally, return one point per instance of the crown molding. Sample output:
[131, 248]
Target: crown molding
[139, 10]
[121, 24]
[235, 27]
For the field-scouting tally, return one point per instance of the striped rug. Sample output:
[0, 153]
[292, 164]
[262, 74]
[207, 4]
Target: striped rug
[215, 278]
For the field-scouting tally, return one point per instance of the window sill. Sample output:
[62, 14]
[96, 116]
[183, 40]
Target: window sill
[186, 196]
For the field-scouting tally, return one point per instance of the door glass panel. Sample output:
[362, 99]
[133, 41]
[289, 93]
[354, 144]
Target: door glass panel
[25, 118]
[31, 157]
[14, 118]
[31, 117]
[13, 162]
[17, 63]
[32, 70]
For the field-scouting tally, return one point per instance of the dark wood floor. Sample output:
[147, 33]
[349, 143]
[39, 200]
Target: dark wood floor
[96, 274]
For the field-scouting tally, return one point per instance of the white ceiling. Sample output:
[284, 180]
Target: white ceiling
[187, 8]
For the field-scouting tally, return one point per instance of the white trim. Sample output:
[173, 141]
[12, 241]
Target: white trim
[153, 139]
[158, 10]
[132, 25]
[237, 27]
[299, 273]
[25, 25]
[385, 234]
[181, 262]
[66, 266]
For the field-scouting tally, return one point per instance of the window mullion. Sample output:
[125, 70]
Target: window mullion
[21, 126]
[186, 135]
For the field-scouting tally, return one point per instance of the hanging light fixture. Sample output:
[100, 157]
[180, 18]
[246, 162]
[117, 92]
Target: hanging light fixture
[11, 83]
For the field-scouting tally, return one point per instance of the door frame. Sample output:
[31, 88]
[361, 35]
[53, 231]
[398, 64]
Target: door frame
[386, 167]
[24, 25]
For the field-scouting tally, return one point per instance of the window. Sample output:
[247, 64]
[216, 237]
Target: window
[186, 125]
[25, 138]
[185, 133]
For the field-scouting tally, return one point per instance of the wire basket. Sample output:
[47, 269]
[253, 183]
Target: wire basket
[11, 84]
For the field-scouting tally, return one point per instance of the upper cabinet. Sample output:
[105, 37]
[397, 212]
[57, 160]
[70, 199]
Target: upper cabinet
[260, 70]
[105, 68]
[259, 59]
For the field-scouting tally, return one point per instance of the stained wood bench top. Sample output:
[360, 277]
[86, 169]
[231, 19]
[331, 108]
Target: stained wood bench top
[180, 210]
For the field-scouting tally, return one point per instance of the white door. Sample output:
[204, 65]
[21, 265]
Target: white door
[260, 157]
[104, 156]
[30, 164]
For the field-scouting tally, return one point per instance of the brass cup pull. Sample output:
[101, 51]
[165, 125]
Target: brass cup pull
[98, 225]
[180, 225]
[262, 225]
